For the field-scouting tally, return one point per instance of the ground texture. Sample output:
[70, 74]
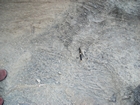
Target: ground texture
[39, 42]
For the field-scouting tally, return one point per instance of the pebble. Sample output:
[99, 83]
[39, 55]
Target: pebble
[59, 73]
[38, 80]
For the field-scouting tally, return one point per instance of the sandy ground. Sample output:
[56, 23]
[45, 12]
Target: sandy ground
[39, 42]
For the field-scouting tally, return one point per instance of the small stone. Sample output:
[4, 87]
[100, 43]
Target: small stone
[59, 73]
[126, 97]
[57, 82]
[38, 80]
